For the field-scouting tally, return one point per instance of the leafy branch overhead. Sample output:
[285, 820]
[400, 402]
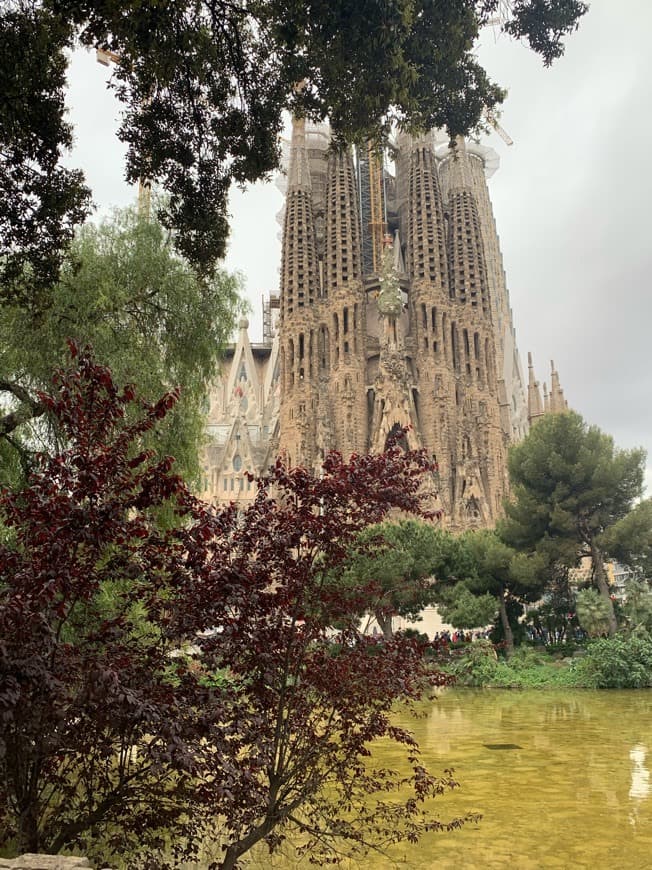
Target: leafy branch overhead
[203, 85]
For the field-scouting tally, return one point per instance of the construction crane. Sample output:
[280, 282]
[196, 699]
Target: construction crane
[502, 15]
[491, 119]
[106, 57]
[376, 204]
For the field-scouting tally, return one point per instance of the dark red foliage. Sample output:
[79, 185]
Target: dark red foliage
[106, 724]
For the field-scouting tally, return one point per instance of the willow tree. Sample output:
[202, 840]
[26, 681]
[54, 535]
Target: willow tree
[125, 291]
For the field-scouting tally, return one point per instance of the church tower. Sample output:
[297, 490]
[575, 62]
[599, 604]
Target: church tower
[393, 312]
[299, 297]
[478, 482]
[402, 339]
[342, 326]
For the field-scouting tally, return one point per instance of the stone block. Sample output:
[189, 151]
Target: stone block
[31, 861]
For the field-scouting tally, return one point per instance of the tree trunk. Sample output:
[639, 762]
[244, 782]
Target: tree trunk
[28, 839]
[236, 850]
[507, 628]
[600, 578]
[384, 621]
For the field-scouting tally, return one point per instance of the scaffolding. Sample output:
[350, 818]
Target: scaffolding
[373, 208]
[272, 303]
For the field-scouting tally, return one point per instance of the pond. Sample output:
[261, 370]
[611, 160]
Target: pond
[562, 780]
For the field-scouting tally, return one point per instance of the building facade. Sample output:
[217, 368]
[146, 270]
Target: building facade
[392, 312]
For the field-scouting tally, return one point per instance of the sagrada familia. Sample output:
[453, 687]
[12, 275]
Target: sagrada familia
[392, 312]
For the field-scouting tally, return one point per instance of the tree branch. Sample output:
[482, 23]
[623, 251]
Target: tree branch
[28, 410]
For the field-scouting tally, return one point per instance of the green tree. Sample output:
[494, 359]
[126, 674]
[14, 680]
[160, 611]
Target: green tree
[498, 583]
[637, 606]
[592, 612]
[629, 541]
[124, 291]
[554, 619]
[571, 489]
[203, 86]
[393, 567]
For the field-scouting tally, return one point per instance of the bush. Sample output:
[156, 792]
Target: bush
[526, 669]
[620, 662]
[477, 666]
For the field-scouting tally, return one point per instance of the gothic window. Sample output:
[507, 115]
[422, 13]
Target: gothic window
[455, 351]
[243, 373]
[237, 462]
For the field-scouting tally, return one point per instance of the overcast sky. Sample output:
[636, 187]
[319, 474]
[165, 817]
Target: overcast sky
[572, 200]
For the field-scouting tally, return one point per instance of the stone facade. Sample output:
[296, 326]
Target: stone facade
[420, 336]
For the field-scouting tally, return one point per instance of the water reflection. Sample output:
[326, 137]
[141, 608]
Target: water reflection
[575, 794]
[640, 787]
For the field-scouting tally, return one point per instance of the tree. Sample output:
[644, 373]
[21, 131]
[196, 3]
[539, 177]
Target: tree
[555, 618]
[637, 605]
[499, 582]
[203, 86]
[592, 612]
[111, 738]
[630, 539]
[97, 726]
[124, 291]
[393, 567]
[570, 487]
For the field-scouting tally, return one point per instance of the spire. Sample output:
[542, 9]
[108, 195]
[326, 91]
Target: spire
[299, 267]
[342, 257]
[425, 226]
[534, 405]
[467, 265]
[557, 401]
[298, 171]
[399, 262]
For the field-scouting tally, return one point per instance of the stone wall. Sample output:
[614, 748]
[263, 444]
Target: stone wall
[45, 862]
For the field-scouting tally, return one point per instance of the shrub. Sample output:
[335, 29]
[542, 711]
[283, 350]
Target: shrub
[526, 669]
[477, 666]
[620, 662]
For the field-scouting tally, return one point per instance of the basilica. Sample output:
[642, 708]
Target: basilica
[392, 311]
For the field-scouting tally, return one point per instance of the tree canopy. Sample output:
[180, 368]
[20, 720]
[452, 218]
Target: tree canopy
[572, 489]
[124, 291]
[499, 580]
[203, 86]
[393, 568]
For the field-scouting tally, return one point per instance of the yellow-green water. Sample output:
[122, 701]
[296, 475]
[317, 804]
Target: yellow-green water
[577, 793]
